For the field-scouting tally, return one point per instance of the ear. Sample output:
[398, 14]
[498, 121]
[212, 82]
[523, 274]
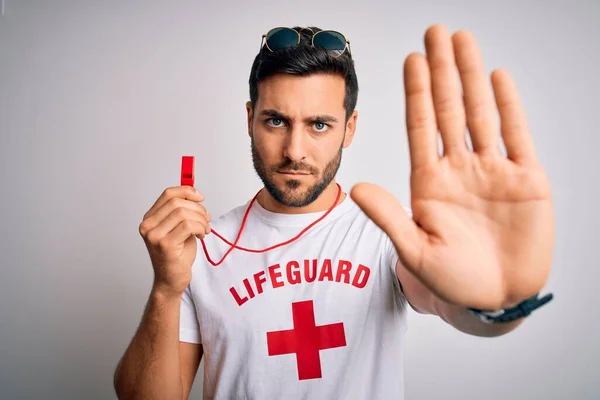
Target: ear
[350, 129]
[250, 117]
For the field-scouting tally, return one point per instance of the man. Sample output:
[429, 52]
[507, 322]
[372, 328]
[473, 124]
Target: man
[310, 298]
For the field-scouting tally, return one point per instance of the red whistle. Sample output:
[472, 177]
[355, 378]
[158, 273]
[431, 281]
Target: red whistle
[187, 171]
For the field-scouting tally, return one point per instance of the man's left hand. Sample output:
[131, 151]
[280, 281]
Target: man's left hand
[482, 228]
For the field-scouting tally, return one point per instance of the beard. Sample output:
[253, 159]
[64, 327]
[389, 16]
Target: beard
[289, 195]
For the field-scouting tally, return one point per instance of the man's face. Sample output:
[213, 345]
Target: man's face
[298, 130]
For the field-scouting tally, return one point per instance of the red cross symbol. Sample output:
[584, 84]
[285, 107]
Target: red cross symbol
[306, 340]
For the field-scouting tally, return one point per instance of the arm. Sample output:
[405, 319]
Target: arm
[156, 365]
[191, 355]
[423, 301]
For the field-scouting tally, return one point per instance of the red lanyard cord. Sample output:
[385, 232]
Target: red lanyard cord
[235, 246]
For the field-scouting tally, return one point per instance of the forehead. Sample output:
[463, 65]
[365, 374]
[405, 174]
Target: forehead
[302, 95]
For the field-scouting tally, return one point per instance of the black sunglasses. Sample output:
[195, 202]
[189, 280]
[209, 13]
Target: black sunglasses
[282, 37]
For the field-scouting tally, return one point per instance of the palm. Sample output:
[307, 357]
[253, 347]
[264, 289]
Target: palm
[482, 228]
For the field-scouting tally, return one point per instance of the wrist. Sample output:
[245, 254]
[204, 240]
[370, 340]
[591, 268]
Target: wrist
[163, 292]
[512, 313]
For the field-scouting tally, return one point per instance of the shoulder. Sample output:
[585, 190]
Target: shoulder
[230, 219]
[226, 225]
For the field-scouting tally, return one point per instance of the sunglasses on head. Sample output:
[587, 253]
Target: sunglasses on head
[281, 37]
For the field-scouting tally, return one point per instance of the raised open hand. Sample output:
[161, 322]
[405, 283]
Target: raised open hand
[482, 228]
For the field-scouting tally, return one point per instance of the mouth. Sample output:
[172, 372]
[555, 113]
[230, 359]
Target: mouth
[293, 173]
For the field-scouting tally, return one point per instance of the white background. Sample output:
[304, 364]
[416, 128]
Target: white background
[100, 99]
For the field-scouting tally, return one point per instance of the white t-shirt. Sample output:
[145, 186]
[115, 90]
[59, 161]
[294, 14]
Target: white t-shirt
[320, 318]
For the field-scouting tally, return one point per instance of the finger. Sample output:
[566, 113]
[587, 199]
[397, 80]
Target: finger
[173, 220]
[387, 213]
[446, 90]
[182, 232]
[184, 192]
[168, 209]
[513, 122]
[420, 115]
[478, 98]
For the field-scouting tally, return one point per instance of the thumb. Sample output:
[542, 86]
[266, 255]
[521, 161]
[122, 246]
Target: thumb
[387, 213]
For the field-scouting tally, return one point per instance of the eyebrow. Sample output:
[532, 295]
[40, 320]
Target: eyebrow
[315, 118]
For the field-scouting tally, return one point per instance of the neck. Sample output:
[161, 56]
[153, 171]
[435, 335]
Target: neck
[322, 203]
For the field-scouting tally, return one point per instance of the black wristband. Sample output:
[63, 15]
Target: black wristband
[521, 310]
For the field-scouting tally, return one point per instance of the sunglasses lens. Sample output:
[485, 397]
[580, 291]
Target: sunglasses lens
[330, 40]
[280, 38]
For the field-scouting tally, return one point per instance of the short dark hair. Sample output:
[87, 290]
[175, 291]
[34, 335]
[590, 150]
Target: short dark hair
[304, 60]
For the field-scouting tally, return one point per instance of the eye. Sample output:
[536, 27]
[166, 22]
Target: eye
[276, 122]
[321, 126]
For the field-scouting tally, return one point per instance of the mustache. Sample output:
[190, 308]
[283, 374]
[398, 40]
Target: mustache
[295, 166]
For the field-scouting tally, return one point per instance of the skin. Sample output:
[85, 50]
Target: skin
[482, 230]
[298, 130]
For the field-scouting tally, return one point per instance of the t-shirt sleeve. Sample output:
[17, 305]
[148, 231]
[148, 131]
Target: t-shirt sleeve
[392, 256]
[189, 329]
[391, 259]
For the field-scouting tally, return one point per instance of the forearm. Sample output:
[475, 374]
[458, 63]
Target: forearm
[463, 320]
[150, 368]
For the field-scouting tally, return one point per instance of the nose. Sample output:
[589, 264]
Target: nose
[295, 145]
